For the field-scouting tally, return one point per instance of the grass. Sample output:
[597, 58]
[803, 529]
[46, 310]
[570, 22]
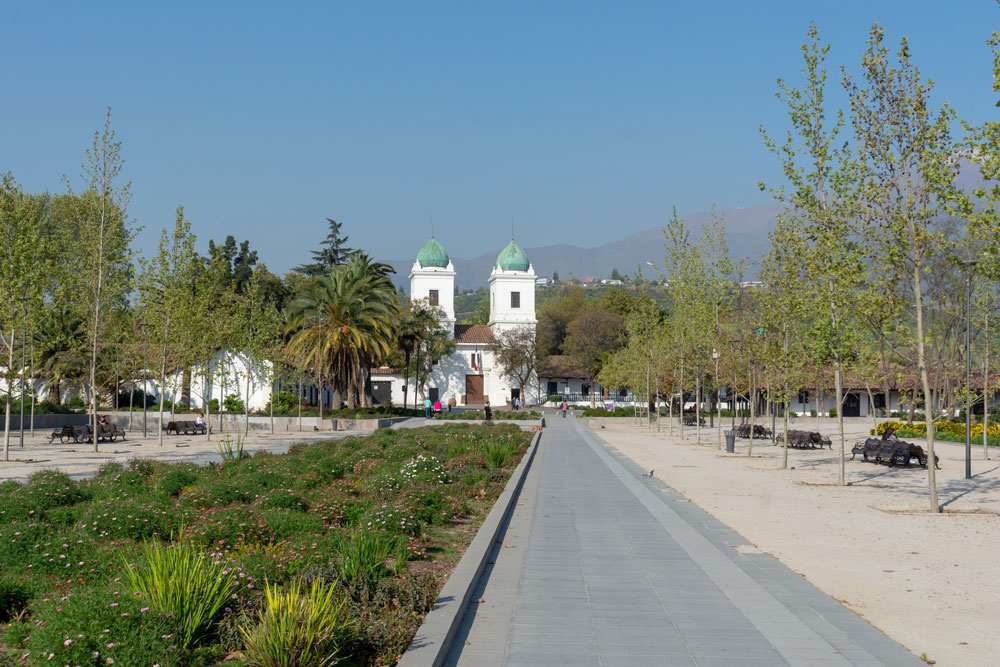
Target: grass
[380, 519]
[473, 415]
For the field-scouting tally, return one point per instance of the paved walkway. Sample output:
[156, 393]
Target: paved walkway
[602, 566]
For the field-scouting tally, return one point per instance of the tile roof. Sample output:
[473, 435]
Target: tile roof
[474, 333]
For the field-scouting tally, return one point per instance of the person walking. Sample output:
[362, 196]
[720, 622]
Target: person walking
[564, 408]
[488, 411]
[437, 408]
[427, 408]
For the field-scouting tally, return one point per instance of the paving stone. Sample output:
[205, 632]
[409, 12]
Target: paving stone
[612, 571]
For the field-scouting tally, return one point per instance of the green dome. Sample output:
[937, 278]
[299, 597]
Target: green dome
[432, 254]
[512, 258]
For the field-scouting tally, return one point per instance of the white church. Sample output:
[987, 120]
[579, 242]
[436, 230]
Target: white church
[470, 374]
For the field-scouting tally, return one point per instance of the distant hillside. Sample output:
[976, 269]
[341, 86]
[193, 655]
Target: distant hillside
[746, 233]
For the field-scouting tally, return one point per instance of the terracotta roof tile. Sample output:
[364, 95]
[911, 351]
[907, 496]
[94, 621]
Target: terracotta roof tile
[474, 333]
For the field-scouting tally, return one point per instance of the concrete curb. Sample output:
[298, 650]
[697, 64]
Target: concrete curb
[432, 642]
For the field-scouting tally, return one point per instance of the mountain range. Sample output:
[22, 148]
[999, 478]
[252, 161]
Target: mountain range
[746, 235]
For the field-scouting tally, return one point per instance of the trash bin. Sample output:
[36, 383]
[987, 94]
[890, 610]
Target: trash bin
[730, 441]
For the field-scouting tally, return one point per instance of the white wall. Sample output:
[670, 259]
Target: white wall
[502, 284]
[425, 279]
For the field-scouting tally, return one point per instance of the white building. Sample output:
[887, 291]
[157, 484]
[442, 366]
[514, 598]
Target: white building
[470, 374]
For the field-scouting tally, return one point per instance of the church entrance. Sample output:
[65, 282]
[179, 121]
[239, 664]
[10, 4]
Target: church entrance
[474, 394]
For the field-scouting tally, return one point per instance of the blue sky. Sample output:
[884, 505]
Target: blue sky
[581, 121]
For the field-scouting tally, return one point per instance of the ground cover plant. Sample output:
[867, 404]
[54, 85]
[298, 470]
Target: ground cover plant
[152, 563]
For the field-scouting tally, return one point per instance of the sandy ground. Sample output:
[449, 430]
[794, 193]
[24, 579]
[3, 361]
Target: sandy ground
[932, 582]
[80, 460]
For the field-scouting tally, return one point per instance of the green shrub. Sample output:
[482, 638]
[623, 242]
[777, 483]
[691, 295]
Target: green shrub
[304, 628]
[97, 626]
[176, 479]
[233, 403]
[833, 412]
[812, 413]
[555, 398]
[362, 555]
[178, 580]
[75, 403]
[14, 595]
[117, 519]
[498, 453]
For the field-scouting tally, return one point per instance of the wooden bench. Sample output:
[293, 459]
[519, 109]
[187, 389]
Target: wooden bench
[892, 453]
[186, 427]
[691, 420]
[807, 440]
[759, 432]
[77, 434]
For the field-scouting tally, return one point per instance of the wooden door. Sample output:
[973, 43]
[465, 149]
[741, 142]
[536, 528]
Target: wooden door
[474, 394]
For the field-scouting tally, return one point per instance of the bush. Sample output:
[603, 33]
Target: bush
[136, 397]
[498, 453]
[14, 595]
[234, 403]
[302, 628]
[96, 627]
[833, 412]
[75, 403]
[555, 398]
[812, 413]
[213, 405]
[363, 554]
[180, 581]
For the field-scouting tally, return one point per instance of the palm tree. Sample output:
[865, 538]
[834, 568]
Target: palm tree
[61, 345]
[342, 323]
[414, 325]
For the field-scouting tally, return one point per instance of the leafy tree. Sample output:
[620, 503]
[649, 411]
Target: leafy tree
[819, 201]
[236, 262]
[22, 265]
[343, 322]
[517, 356]
[104, 273]
[163, 287]
[333, 252]
[592, 336]
[905, 169]
[416, 321]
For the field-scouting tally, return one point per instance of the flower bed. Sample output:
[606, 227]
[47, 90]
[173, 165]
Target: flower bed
[943, 430]
[347, 542]
[472, 415]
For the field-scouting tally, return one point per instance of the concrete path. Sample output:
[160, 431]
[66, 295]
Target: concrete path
[602, 566]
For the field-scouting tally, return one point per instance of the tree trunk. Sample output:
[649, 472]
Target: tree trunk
[246, 403]
[925, 382]
[682, 395]
[697, 409]
[819, 404]
[272, 406]
[186, 386]
[163, 393]
[131, 400]
[838, 380]
[752, 399]
[871, 402]
[300, 402]
[406, 378]
[986, 389]
[6, 400]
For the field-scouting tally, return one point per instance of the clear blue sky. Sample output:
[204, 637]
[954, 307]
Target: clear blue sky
[582, 121]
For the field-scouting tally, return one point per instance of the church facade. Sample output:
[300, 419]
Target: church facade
[470, 374]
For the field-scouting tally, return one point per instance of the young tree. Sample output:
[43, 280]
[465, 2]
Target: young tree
[22, 265]
[819, 201]
[516, 355]
[163, 288]
[103, 274]
[905, 169]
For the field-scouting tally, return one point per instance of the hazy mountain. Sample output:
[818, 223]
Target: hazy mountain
[746, 234]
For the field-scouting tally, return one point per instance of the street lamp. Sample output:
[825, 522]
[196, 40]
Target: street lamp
[24, 342]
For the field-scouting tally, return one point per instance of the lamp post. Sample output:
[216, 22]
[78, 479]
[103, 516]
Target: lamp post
[969, 265]
[24, 343]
